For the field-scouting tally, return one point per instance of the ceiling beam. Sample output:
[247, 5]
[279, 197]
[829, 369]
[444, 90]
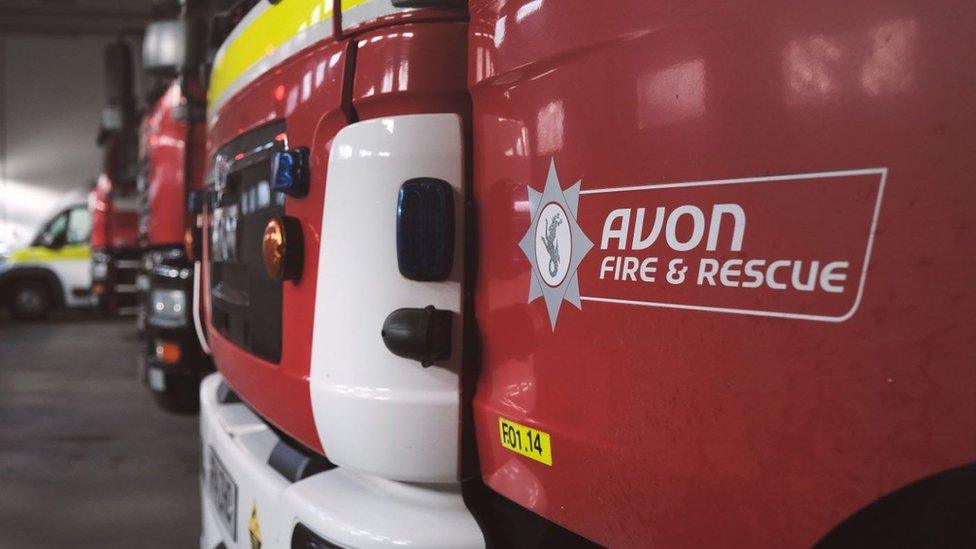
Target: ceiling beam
[72, 21]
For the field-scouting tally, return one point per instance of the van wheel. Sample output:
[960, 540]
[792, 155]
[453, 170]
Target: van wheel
[29, 300]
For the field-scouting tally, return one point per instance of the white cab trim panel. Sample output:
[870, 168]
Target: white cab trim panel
[375, 412]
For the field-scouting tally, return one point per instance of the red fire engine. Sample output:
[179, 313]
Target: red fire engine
[527, 272]
[171, 165]
[115, 251]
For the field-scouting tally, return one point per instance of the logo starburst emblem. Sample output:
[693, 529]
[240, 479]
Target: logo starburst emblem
[555, 244]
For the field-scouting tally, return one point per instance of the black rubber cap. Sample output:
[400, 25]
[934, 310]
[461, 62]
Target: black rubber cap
[418, 334]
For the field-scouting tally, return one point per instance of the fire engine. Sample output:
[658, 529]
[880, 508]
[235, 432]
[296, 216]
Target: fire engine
[527, 272]
[170, 170]
[115, 248]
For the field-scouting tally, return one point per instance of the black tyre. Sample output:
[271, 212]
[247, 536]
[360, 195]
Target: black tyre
[29, 300]
[182, 394]
[935, 512]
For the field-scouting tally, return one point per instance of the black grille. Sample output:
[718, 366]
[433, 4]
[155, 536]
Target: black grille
[245, 301]
[127, 263]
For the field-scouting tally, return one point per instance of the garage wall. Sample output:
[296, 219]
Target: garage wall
[53, 94]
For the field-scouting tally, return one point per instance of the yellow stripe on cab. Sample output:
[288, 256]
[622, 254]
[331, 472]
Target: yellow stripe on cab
[259, 38]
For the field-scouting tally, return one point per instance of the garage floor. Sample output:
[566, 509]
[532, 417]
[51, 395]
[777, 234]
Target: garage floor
[86, 457]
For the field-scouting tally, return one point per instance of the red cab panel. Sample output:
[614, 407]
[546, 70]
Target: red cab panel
[724, 260]
[98, 205]
[409, 67]
[166, 141]
[114, 219]
[304, 91]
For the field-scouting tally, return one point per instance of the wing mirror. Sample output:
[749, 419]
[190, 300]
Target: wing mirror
[164, 48]
[119, 100]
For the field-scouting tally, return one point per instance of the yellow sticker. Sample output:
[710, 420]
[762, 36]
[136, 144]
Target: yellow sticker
[529, 442]
[254, 527]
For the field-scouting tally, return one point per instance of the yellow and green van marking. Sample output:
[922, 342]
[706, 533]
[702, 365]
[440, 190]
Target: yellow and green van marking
[40, 254]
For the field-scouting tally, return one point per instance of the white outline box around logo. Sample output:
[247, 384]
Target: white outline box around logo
[882, 172]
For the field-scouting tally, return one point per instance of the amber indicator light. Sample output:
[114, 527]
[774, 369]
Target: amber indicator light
[273, 248]
[168, 352]
[188, 244]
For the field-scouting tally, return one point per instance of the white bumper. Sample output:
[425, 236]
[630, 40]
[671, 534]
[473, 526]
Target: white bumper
[346, 508]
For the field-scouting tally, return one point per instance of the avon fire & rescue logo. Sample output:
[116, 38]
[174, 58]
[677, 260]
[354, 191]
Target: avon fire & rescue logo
[789, 246]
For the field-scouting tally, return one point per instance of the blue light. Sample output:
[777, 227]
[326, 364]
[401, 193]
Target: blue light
[289, 172]
[425, 229]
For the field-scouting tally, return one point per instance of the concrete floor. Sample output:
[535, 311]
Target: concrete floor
[87, 459]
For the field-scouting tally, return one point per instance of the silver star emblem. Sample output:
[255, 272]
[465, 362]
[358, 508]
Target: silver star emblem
[555, 244]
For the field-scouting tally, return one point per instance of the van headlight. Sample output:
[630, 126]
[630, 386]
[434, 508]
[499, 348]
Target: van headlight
[167, 308]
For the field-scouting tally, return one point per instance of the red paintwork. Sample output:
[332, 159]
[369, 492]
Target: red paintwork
[433, 53]
[411, 68]
[98, 205]
[111, 227]
[690, 428]
[280, 392]
[163, 146]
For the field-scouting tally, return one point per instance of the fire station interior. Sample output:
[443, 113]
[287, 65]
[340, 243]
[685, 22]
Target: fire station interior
[487, 273]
